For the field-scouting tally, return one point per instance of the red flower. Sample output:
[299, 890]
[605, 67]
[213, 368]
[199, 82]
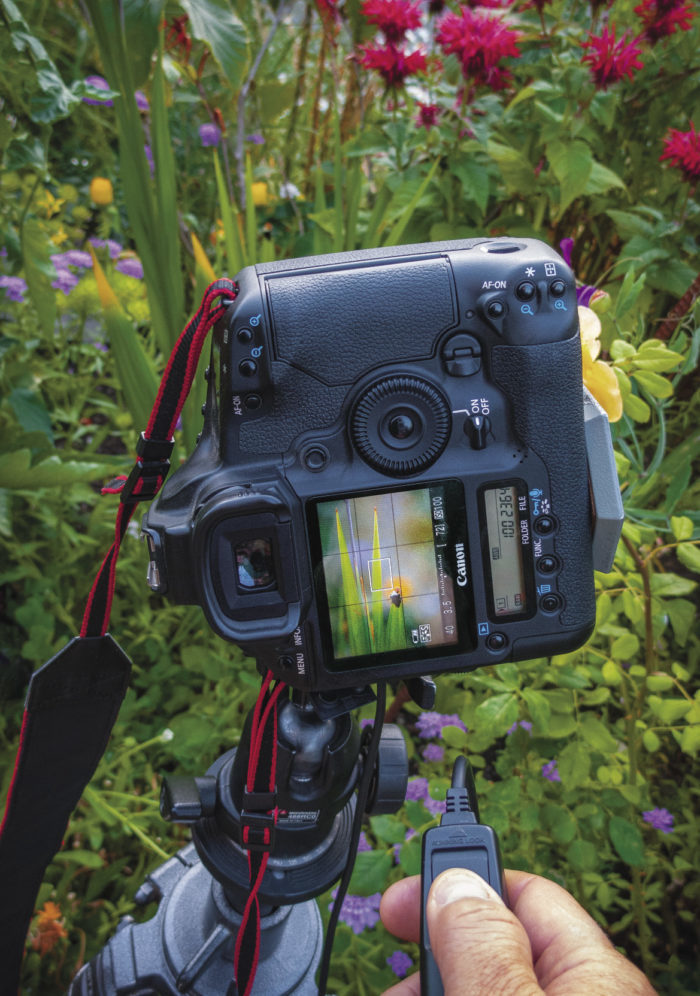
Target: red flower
[662, 17]
[479, 41]
[611, 60]
[393, 17]
[682, 149]
[427, 115]
[392, 63]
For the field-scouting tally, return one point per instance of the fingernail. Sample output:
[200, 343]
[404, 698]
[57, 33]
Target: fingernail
[458, 883]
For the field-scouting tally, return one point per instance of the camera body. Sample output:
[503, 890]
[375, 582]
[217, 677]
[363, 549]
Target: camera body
[392, 477]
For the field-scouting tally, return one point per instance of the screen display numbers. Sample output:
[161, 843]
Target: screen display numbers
[505, 551]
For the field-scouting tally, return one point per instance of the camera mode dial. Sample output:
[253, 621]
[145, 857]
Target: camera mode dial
[400, 425]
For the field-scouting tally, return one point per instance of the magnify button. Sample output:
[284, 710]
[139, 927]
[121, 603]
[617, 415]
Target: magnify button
[527, 310]
[560, 306]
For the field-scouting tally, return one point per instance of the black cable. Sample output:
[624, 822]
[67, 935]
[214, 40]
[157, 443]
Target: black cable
[362, 795]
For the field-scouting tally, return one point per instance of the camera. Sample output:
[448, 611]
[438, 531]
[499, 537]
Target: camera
[398, 467]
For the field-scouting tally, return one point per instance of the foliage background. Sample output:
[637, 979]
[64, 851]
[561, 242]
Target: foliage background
[263, 131]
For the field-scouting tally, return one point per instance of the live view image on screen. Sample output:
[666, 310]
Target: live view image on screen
[387, 574]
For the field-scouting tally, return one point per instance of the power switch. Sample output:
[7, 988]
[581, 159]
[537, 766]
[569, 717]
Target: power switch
[476, 428]
[461, 355]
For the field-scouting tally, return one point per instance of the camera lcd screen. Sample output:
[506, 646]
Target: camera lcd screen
[505, 551]
[395, 572]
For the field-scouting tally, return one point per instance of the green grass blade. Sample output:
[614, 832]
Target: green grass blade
[354, 192]
[396, 233]
[251, 224]
[377, 218]
[322, 242]
[357, 632]
[377, 594]
[339, 220]
[235, 254]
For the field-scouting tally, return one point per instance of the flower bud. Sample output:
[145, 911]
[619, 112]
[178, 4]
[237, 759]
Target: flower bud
[101, 192]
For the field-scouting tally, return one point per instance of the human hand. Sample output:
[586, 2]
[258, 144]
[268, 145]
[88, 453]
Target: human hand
[546, 942]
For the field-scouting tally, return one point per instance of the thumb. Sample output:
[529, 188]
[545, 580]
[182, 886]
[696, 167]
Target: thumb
[479, 945]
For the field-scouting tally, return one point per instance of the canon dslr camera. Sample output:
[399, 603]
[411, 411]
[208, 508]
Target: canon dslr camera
[397, 473]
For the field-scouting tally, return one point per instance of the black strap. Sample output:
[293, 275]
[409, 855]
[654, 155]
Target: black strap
[74, 699]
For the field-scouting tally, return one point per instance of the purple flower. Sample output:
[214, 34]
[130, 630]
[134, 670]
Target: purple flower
[255, 139]
[399, 962]
[15, 288]
[141, 100]
[74, 257]
[65, 280]
[359, 912]
[103, 347]
[209, 134]
[131, 266]
[363, 844]
[525, 724]
[435, 806]
[430, 724]
[98, 83]
[433, 752]
[660, 819]
[149, 158]
[585, 292]
[549, 771]
[417, 788]
[112, 247]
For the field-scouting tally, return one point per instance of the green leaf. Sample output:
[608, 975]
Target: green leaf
[388, 828]
[213, 22]
[637, 409]
[39, 272]
[690, 740]
[31, 412]
[370, 872]
[410, 857]
[689, 556]
[651, 741]
[597, 735]
[681, 527]
[669, 711]
[86, 859]
[627, 840]
[628, 293]
[474, 178]
[654, 383]
[601, 179]
[396, 233]
[454, 736]
[17, 474]
[498, 712]
[625, 647]
[516, 170]
[25, 152]
[538, 707]
[682, 615]
[582, 855]
[659, 682]
[671, 584]
[140, 20]
[572, 163]
[574, 764]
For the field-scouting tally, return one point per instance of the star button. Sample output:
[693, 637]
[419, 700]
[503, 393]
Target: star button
[530, 271]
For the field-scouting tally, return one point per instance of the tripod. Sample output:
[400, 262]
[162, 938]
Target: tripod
[188, 945]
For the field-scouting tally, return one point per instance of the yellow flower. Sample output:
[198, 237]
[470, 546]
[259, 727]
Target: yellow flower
[49, 928]
[598, 376]
[101, 192]
[260, 193]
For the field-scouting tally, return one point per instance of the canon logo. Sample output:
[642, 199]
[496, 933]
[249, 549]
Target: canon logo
[461, 559]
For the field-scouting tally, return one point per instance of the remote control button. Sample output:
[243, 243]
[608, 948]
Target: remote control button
[496, 309]
[244, 336]
[551, 603]
[525, 291]
[547, 565]
[247, 368]
[316, 458]
[557, 288]
[545, 525]
[497, 641]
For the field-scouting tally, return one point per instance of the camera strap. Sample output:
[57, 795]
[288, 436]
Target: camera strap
[73, 700]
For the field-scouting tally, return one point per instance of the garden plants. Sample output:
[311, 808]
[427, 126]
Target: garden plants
[148, 147]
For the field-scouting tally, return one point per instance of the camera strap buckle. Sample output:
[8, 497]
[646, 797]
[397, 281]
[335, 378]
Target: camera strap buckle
[258, 830]
[150, 470]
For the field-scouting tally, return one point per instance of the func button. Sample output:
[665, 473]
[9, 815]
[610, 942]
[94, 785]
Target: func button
[461, 355]
[547, 565]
